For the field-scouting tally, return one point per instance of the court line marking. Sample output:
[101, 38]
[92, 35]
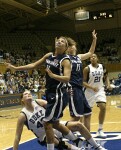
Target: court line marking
[21, 143]
[114, 133]
[10, 109]
[106, 123]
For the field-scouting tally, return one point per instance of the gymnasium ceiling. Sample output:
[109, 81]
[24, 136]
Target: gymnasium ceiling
[29, 14]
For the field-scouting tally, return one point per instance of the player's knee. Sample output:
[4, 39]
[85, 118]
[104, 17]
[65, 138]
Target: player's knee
[87, 116]
[47, 125]
[78, 126]
[103, 107]
[56, 125]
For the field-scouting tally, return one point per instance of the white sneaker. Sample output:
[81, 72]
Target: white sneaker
[82, 148]
[100, 148]
[86, 145]
[101, 134]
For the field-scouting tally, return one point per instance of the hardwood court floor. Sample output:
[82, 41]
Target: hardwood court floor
[8, 119]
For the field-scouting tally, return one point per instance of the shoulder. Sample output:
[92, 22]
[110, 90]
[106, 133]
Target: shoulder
[80, 56]
[65, 58]
[48, 54]
[86, 69]
[101, 64]
[41, 102]
[22, 117]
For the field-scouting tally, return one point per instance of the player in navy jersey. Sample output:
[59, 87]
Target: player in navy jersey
[58, 70]
[94, 76]
[78, 104]
[32, 115]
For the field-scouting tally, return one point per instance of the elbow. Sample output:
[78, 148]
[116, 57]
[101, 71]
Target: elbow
[91, 53]
[67, 79]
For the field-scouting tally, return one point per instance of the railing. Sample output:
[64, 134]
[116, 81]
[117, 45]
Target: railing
[10, 100]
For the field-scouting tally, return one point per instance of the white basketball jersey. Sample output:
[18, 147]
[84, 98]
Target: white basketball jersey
[35, 120]
[96, 76]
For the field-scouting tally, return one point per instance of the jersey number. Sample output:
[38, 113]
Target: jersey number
[39, 125]
[78, 67]
[97, 79]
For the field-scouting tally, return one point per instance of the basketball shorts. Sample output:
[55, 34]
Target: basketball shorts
[57, 101]
[78, 104]
[95, 97]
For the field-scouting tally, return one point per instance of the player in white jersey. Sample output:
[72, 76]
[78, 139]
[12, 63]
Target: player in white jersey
[32, 116]
[94, 76]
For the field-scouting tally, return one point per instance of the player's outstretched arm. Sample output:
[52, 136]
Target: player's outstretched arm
[19, 129]
[29, 66]
[92, 48]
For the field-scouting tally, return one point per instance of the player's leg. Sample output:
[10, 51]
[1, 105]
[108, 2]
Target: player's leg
[87, 121]
[78, 126]
[49, 135]
[87, 112]
[102, 114]
[76, 104]
[64, 130]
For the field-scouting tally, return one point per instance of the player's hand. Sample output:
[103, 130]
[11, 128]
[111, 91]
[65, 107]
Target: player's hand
[94, 34]
[49, 72]
[95, 89]
[109, 87]
[70, 91]
[9, 66]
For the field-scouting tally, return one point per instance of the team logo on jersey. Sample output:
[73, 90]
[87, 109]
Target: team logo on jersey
[53, 63]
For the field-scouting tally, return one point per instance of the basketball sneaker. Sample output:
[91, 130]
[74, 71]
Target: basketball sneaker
[101, 134]
[100, 148]
[86, 145]
[78, 142]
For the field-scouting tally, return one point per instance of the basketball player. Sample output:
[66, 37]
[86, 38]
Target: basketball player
[58, 70]
[32, 116]
[78, 104]
[94, 74]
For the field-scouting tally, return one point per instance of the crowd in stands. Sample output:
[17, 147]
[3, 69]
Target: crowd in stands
[17, 82]
[116, 86]
[108, 44]
[11, 83]
[16, 58]
[105, 50]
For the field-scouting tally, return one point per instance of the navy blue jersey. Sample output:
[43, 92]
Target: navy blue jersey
[77, 71]
[54, 64]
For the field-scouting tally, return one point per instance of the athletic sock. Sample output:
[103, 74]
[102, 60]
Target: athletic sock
[93, 142]
[100, 126]
[70, 136]
[50, 146]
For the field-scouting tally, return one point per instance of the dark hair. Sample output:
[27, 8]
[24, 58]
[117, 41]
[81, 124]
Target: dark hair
[21, 97]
